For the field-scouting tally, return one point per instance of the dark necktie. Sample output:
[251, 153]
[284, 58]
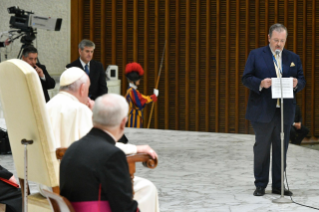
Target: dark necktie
[86, 69]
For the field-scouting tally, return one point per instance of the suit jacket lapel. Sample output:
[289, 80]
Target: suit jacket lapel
[92, 66]
[269, 61]
[285, 63]
[79, 64]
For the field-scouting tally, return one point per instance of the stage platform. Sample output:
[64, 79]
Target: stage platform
[214, 172]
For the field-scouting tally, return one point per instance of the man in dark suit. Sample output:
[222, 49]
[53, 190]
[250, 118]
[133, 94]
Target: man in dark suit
[30, 55]
[264, 112]
[93, 68]
[298, 131]
[9, 195]
[94, 172]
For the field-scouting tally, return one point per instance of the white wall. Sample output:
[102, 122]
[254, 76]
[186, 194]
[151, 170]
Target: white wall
[53, 46]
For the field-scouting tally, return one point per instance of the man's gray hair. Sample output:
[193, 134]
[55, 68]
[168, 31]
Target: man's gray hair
[278, 27]
[109, 110]
[75, 86]
[86, 43]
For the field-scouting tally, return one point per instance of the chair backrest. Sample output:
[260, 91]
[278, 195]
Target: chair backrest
[58, 202]
[26, 117]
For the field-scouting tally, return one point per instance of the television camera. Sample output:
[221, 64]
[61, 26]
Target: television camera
[27, 24]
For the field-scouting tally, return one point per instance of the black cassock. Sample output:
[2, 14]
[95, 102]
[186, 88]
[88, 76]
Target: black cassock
[95, 161]
[9, 195]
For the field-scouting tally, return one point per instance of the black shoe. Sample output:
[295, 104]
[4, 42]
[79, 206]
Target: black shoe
[278, 191]
[259, 191]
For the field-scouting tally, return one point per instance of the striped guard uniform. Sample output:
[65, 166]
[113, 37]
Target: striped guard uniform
[137, 102]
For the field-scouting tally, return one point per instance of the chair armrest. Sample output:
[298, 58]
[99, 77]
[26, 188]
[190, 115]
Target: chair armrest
[146, 160]
[59, 152]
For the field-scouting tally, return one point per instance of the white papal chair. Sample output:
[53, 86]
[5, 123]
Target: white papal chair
[26, 117]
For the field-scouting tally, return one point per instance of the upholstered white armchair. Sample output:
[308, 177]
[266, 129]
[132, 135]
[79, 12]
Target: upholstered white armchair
[26, 117]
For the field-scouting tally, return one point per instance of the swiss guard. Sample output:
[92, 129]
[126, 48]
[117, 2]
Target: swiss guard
[135, 99]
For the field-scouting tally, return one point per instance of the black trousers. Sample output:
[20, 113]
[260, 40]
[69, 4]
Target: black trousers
[296, 136]
[11, 197]
[268, 135]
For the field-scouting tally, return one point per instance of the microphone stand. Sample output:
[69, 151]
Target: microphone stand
[282, 199]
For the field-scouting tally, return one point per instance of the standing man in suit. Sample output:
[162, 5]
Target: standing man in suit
[298, 131]
[30, 55]
[94, 69]
[264, 112]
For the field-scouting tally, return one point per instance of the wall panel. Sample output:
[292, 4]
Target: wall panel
[207, 43]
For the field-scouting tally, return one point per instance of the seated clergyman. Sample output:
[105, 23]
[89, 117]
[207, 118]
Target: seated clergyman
[94, 172]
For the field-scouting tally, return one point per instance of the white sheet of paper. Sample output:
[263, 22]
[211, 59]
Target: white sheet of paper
[287, 85]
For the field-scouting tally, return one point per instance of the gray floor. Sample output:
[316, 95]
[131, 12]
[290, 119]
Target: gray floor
[214, 172]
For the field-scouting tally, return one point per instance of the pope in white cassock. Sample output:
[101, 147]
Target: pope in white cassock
[71, 118]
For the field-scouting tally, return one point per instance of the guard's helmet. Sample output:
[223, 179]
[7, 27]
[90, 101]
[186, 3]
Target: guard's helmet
[134, 71]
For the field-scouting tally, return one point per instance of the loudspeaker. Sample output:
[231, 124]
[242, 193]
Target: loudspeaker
[112, 72]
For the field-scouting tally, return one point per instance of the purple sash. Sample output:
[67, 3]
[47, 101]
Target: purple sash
[92, 206]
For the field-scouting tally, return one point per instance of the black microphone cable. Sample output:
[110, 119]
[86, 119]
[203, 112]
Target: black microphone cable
[297, 202]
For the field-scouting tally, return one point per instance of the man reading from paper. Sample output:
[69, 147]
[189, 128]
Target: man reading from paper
[70, 115]
[264, 112]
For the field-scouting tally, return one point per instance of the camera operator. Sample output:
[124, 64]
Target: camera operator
[30, 55]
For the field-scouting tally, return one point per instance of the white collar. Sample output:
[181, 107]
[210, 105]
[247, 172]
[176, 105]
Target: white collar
[132, 85]
[107, 132]
[273, 53]
[69, 95]
[83, 63]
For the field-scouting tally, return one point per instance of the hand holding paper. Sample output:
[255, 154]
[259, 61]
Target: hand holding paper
[295, 82]
[265, 83]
